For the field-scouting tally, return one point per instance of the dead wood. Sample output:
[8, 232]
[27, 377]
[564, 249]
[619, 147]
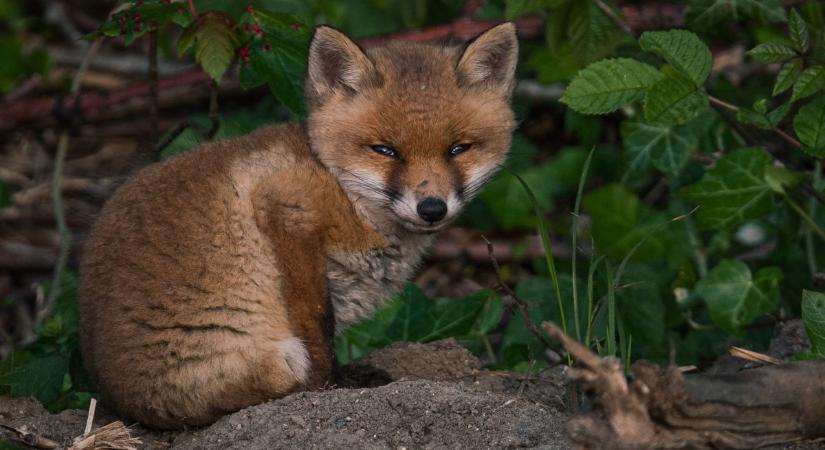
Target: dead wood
[662, 408]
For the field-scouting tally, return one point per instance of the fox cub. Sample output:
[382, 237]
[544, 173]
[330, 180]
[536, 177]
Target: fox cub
[216, 279]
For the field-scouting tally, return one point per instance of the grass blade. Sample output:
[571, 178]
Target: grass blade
[574, 236]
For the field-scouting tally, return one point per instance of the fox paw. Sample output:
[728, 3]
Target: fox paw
[296, 357]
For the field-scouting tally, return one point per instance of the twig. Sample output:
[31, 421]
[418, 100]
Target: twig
[153, 86]
[213, 110]
[90, 417]
[749, 355]
[618, 20]
[30, 439]
[510, 293]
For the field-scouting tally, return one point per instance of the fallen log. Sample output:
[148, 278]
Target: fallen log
[662, 408]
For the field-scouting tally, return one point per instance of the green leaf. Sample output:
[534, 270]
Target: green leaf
[787, 76]
[735, 298]
[607, 85]
[591, 33]
[681, 49]
[734, 191]
[675, 99]
[771, 52]
[516, 8]
[779, 178]
[811, 81]
[214, 40]
[813, 315]
[704, 15]
[277, 57]
[666, 147]
[40, 377]
[760, 118]
[809, 125]
[799, 31]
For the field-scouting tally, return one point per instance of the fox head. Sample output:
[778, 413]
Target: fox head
[411, 131]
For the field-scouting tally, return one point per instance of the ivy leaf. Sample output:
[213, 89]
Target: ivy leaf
[38, 376]
[607, 85]
[681, 49]
[809, 125]
[667, 147]
[674, 99]
[703, 15]
[811, 81]
[735, 297]
[813, 316]
[798, 31]
[771, 52]
[787, 76]
[214, 41]
[734, 191]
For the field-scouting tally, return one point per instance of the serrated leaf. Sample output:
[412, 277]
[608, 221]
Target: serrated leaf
[591, 33]
[813, 316]
[734, 191]
[809, 125]
[762, 119]
[735, 298]
[674, 99]
[798, 31]
[667, 148]
[278, 57]
[779, 178]
[787, 76]
[771, 52]
[682, 49]
[607, 85]
[811, 81]
[40, 377]
[214, 43]
[703, 15]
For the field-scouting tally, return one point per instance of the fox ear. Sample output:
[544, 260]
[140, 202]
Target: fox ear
[490, 60]
[335, 62]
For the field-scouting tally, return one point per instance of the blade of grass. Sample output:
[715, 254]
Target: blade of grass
[545, 241]
[611, 310]
[591, 273]
[574, 235]
[623, 350]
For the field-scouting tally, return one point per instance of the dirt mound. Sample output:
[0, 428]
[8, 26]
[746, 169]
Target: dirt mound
[437, 397]
[406, 414]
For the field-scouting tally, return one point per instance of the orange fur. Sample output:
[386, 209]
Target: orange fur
[216, 279]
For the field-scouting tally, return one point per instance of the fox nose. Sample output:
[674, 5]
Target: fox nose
[432, 209]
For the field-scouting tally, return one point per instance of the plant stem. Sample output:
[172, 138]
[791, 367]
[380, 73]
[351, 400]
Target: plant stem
[808, 219]
[213, 110]
[616, 18]
[718, 102]
[574, 234]
[153, 88]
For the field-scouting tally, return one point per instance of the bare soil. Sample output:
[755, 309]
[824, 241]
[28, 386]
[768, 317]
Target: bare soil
[416, 396]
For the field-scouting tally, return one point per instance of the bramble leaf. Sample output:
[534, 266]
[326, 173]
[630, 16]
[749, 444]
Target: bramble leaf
[607, 85]
[760, 118]
[592, 34]
[811, 81]
[787, 76]
[703, 15]
[813, 316]
[681, 49]
[735, 297]
[666, 147]
[799, 31]
[734, 191]
[809, 125]
[771, 52]
[674, 99]
[214, 41]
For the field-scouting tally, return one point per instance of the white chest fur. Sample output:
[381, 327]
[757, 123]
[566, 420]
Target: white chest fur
[359, 282]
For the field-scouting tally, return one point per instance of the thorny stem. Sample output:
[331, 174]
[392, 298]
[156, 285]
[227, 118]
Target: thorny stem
[213, 109]
[617, 19]
[785, 136]
[192, 9]
[57, 192]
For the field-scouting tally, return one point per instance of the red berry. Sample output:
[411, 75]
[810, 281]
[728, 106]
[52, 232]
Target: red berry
[296, 26]
[168, 2]
[136, 29]
[257, 30]
[181, 10]
[250, 9]
[247, 27]
[243, 53]
[267, 47]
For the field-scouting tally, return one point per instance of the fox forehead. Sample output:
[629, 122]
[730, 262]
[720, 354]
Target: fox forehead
[418, 104]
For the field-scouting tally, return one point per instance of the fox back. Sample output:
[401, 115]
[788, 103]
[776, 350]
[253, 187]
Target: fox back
[216, 279]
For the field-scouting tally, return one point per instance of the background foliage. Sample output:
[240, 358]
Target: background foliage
[689, 199]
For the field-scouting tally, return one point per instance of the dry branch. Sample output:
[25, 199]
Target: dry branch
[662, 408]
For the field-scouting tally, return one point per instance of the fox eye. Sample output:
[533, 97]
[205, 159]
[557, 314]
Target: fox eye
[384, 150]
[460, 148]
